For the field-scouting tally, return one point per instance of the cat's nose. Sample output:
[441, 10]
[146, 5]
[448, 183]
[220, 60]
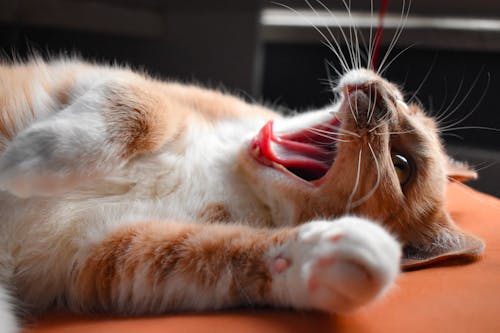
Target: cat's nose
[364, 87]
[366, 103]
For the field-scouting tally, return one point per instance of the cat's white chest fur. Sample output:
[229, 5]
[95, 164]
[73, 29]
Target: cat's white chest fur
[186, 176]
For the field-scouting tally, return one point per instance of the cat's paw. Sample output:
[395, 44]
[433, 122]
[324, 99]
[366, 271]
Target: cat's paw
[337, 266]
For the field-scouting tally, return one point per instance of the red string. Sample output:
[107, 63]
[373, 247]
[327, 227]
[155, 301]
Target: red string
[378, 36]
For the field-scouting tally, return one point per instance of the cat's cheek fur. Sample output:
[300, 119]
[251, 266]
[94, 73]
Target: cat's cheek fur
[335, 266]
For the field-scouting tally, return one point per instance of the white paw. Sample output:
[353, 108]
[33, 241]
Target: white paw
[336, 266]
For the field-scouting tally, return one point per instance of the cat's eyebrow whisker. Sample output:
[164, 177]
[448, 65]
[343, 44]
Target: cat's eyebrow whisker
[377, 182]
[356, 183]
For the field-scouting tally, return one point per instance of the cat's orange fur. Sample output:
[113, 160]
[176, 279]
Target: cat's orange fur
[195, 254]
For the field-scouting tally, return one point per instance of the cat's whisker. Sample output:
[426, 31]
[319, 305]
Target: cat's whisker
[372, 110]
[395, 37]
[329, 30]
[383, 120]
[443, 115]
[467, 94]
[377, 182]
[370, 46]
[393, 133]
[337, 128]
[483, 165]
[424, 80]
[335, 134]
[329, 80]
[329, 44]
[481, 98]
[465, 98]
[374, 128]
[352, 111]
[387, 65]
[453, 135]
[433, 111]
[469, 127]
[356, 183]
[352, 25]
[333, 138]
[399, 30]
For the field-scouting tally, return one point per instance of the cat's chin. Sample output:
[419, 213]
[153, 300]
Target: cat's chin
[306, 154]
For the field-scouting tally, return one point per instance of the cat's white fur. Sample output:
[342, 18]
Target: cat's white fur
[50, 234]
[8, 322]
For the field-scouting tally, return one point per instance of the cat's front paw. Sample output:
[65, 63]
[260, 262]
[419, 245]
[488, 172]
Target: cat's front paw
[337, 266]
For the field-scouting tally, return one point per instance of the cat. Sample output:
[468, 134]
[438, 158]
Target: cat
[123, 194]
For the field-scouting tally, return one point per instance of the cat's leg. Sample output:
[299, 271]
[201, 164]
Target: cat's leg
[332, 266]
[99, 131]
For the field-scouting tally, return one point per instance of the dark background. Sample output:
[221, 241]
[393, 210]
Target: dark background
[223, 43]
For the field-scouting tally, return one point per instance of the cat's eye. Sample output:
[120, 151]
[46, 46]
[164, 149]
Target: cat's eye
[402, 167]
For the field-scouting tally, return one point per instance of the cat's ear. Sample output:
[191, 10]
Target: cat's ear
[448, 242]
[459, 171]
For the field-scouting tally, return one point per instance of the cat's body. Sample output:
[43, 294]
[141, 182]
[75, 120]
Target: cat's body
[124, 194]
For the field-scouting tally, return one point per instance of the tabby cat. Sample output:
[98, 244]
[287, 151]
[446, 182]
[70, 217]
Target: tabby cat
[123, 194]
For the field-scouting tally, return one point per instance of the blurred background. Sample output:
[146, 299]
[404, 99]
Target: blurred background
[447, 57]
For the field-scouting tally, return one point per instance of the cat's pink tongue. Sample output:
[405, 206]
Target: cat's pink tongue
[292, 154]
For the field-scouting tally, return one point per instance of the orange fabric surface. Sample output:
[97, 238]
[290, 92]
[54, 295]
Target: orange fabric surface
[459, 297]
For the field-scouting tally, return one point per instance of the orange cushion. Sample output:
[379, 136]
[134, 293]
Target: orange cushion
[455, 298]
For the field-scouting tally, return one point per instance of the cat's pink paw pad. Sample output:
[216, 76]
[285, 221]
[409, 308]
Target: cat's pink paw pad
[280, 264]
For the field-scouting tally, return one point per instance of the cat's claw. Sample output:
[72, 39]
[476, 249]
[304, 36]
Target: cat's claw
[337, 266]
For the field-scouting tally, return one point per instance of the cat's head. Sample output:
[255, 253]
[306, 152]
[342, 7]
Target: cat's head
[374, 156]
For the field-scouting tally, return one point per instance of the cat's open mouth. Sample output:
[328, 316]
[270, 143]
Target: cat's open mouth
[307, 153]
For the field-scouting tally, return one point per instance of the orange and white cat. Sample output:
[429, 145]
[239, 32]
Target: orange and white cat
[123, 194]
